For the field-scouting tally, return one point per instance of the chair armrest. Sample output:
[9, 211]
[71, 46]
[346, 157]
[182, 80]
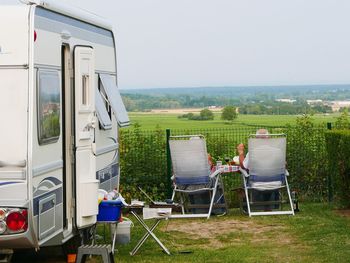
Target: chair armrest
[218, 171]
[287, 173]
[244, 172]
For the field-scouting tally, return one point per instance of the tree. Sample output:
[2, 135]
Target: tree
[229, 113]
[206, 114]
[342, 121]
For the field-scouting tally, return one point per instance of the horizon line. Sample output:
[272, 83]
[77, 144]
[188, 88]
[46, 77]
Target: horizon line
[237, 86]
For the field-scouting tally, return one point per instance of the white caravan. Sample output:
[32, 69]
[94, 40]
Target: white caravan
[60, 109]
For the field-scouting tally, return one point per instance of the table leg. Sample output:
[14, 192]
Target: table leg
[143, 239]
[149, 233]
[114, 237]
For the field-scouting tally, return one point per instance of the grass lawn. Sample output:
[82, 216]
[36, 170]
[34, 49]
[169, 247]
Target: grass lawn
[149, 121]
[316, 234]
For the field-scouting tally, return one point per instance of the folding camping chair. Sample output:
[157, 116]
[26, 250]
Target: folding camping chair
[191, 171]
[266, 173]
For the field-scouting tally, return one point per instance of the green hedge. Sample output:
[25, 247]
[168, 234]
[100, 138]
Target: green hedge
[143, 163]
[143, 158]
[338, 149]
[307, 159]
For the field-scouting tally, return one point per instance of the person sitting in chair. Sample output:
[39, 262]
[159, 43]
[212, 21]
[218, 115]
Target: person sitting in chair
[244, 164]
[244, 160]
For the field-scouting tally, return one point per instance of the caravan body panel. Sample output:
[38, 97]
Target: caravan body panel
[14, 21]
[14, 88]
[54, 30]
[37, 103]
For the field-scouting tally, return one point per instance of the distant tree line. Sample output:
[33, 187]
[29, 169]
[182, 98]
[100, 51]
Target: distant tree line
[324, 92]
[283, 108]
[141, 102]
[257, 104]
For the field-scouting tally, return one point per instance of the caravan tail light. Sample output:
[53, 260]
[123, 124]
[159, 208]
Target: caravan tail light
[13, 220]
[17, 221]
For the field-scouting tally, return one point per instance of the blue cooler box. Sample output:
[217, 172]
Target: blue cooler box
[109, 210]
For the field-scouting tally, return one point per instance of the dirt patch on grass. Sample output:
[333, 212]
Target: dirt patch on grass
[343, 212]
[209, 228]
[223, 232]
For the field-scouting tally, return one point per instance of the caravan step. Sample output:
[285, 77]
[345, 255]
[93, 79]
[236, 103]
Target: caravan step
[5, 255]
[103, 250]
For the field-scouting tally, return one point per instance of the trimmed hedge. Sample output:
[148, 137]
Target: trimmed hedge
[143, 159]
[338, 149]
[307, 160]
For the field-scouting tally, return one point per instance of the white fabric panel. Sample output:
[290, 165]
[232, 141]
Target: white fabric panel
[189, 158]
[115, 99]
[267, 156]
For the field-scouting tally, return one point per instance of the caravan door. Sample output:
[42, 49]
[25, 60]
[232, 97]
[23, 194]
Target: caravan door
[86, 184]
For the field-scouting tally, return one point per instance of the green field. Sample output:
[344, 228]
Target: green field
[150, 121]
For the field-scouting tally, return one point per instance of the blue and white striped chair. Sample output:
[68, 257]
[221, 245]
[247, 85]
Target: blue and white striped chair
[191, 170]
[266, 171]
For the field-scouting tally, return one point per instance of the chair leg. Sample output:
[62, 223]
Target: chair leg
[280, 197]
[181, 200]
[223, 194]
[211, 203]
[182, 203]
[173, 195]
[246, 196]
[289, 196]
[213, 196]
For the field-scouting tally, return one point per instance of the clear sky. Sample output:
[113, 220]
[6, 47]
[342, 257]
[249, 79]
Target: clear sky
[172, 43]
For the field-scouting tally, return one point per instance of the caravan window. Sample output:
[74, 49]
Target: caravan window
[102, 113]
[110, 87]
[49, 106]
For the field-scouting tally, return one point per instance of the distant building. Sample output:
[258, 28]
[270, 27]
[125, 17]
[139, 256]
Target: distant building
[49, 108]
[337, 105]
[286, 100]
[313, 102]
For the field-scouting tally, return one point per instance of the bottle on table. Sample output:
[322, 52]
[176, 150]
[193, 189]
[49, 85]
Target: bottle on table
[112, 195]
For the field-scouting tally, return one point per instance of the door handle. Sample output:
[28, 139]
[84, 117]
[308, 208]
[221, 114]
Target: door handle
[91, 125]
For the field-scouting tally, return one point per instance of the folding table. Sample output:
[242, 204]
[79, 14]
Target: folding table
[150, 213]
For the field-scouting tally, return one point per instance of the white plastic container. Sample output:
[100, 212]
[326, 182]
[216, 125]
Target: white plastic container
[123, 232]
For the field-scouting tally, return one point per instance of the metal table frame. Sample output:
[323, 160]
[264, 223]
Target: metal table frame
[148, 233]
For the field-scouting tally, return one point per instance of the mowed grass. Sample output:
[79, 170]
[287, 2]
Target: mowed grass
[149, 121]
[316, 234]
